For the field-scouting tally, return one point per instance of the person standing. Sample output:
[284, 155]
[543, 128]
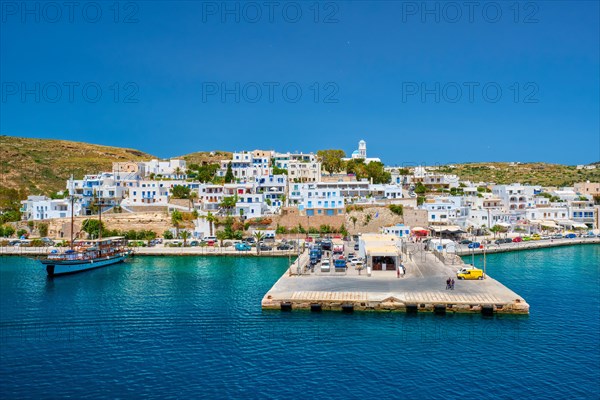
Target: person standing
[448, 283]
[452, 284]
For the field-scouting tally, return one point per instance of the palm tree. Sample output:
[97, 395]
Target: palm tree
[211, 219]
[258, 236]
[368, 218]
[184, 236]
[228, 203]
[193, 196]
[177, 172]
[221, 235]
[176, 218]
[354, 220]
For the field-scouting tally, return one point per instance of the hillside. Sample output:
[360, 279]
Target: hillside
[42, 166]
[526, 173]
[206, 157]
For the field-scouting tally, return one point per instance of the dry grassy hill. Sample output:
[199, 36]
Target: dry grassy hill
[42, 166]
[526, 173]
[206, 157]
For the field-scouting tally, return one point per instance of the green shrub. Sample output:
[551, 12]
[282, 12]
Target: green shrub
[396, 209]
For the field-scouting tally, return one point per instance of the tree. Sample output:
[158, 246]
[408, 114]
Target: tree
[354, 219]
[420, 188]
[180, 192]
[331, 160]
[368, 218]
[9, 231]
[258, 236]
[92, 227]
[176, 218]
[43, 228]
[229, 174]
[228, 203]
[185, 235]
[496, 229]
[178, 172]
[168, 235]
[221, 235]
[357, 167]
[377, 173]
[279, 171]
[211, 219]
[193, 196]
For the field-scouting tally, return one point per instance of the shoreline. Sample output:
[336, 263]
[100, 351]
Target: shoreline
[519, 246]
[159, 251]
[217, 251]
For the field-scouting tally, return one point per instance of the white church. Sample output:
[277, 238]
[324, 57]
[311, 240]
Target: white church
[361, 153]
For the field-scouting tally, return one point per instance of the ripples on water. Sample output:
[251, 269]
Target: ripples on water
[193, 327]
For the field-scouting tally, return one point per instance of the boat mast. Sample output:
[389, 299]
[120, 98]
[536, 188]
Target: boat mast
[100, 225]
[72, 205]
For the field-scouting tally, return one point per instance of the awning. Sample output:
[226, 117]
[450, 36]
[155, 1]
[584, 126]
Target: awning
[447, 229]
[549, 224]
[383, 251]
[418, 228]
[580, 225]
[504, 224]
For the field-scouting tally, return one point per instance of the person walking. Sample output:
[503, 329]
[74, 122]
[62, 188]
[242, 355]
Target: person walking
[448, 281]
[452, 284]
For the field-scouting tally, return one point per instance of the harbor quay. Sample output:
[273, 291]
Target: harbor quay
[464, 250]
[418, 286]
[160, 251]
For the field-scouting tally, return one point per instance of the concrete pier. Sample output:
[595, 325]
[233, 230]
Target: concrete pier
[421, 289]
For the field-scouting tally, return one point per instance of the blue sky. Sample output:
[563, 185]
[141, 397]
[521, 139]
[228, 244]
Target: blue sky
[504, 81]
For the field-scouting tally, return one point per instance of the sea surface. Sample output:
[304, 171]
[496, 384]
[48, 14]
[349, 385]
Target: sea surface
[189, 327]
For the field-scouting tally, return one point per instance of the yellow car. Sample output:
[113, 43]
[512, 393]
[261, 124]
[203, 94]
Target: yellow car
[470, 273]
[535, 237]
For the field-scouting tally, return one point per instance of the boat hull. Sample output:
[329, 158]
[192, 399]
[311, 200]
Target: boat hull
[57, 268]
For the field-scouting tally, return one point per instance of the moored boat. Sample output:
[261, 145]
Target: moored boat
[86, 255]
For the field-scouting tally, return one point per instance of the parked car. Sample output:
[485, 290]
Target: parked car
[545, 237]
[536, 237]
[356, 247]
[47, 241]
[570, 236]
[325, 266]
[517, 239]
[465, 241]
[589, 235]
[557, 236]
[194, 243]
[285, 246]
[242, 246]
[526, 238]
[250, 240]
[264, 247]
[474, 245]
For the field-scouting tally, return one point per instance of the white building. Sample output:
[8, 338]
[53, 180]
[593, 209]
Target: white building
[361, 153]
[301, 167]
[171, 169]
[516, 196]
[273, 188]
[154, 192]
[37, 208]
[248, 166]
[318, 199]
[399, 230]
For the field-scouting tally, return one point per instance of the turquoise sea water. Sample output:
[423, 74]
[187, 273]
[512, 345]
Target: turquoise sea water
[193, 327]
